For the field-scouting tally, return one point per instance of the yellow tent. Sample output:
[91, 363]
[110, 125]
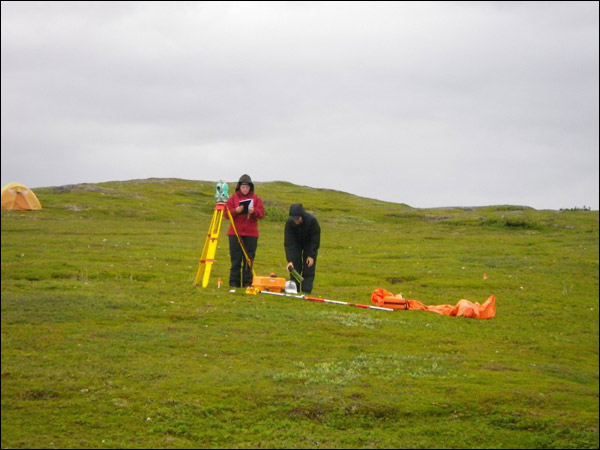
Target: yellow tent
[15, 196]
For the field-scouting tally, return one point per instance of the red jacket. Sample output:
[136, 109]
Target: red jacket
[245, 224]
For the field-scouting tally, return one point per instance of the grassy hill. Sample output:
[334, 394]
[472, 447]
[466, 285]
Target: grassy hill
[107, 344]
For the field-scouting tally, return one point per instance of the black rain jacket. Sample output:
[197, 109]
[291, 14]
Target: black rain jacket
[304, 237]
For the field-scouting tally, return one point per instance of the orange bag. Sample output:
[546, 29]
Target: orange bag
[464, 308]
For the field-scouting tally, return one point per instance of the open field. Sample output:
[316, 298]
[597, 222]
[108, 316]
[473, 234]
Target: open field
[107, 344]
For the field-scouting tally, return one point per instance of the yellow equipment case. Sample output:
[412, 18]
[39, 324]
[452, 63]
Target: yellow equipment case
[269, 284]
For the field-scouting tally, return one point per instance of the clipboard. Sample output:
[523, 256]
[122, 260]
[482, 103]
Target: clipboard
[247, 204]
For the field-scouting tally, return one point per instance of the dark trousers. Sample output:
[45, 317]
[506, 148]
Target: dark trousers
[240, 273]
[308, 273]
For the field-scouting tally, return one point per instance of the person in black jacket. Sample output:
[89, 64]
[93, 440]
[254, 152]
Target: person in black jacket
[302, 237]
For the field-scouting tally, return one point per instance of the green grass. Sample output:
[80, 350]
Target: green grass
[107, 344]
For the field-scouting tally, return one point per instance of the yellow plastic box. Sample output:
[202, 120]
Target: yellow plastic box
[270, 284]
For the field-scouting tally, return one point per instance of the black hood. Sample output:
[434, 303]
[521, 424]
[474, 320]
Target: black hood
[245, 179]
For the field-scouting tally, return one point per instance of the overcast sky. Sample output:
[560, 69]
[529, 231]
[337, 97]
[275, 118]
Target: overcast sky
[429, 104]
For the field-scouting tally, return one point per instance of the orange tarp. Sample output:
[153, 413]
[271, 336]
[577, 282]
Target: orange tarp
[464, 308]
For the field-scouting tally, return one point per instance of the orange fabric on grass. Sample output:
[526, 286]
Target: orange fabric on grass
[464, 308]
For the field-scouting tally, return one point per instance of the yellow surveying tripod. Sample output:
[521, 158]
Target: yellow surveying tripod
[210, 245]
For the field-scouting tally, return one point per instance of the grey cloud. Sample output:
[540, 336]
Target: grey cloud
[455, 103]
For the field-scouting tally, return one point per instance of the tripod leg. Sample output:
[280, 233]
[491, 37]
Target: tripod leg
[210, 249]
[248, 259]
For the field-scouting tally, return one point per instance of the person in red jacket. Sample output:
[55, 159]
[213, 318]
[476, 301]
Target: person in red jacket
[246, 209]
